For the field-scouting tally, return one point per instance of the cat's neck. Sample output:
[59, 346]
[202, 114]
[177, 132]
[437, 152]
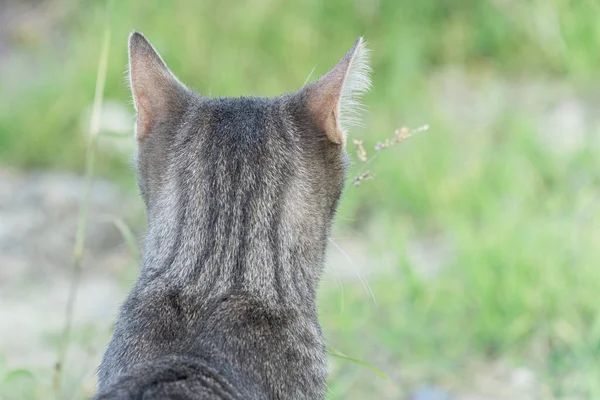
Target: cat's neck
[216, 250]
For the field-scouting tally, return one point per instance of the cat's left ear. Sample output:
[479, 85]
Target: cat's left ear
[333, 101]
[157, 93]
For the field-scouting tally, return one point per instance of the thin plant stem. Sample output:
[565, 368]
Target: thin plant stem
[83, 214]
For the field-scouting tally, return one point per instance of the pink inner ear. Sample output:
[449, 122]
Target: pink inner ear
[323, 102]
[155, 89]
[144, 117]
[331, 127]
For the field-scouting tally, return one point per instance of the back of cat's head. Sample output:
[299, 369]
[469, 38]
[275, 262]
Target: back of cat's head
[261, 155]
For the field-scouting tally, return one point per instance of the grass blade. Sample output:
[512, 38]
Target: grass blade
[374, 369]
[83, 214]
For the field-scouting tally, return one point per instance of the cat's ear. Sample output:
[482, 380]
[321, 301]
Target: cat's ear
[156, 91]
[333, 101]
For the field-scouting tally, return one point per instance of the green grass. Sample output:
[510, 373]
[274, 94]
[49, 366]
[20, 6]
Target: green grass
[521, 280]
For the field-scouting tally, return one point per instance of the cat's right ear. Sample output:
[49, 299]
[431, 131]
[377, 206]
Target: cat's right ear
[157, 93]
[333, 101]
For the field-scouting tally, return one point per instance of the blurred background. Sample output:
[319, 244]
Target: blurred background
[467, 269]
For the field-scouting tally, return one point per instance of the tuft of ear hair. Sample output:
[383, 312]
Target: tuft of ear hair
[334, 99]
[156, 91]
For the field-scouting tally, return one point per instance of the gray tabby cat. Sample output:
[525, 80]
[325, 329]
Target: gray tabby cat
[240, 194]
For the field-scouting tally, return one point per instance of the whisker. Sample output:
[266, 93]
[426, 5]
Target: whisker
[309, 75]
[365, 284]
[340, 285]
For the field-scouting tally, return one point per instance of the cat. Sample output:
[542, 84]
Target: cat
[240, 196]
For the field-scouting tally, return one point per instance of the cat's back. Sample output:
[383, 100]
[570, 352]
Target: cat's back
[227, 347]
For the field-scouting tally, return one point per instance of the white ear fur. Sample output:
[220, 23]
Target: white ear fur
[356, 83]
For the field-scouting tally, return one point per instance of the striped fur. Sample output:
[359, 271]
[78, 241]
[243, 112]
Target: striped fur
[240, 195]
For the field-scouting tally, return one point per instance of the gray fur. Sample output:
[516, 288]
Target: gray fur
[240, 195]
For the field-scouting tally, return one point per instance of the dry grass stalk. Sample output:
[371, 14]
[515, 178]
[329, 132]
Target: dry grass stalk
[400, 135]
